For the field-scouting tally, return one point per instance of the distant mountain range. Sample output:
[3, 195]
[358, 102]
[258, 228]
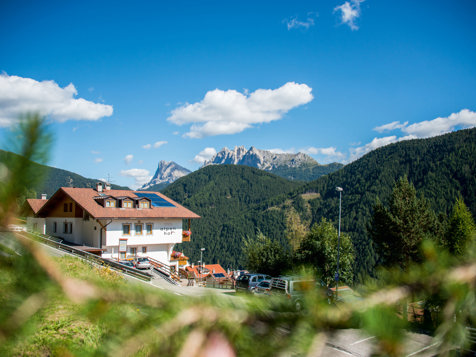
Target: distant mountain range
[298, 167]
[294, 167]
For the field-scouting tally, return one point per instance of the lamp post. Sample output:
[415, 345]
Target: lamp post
[338, 189]
[201, 264]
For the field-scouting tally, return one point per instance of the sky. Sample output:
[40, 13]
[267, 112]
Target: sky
[126, 84]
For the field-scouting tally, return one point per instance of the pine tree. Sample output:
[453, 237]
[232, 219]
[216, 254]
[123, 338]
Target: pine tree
[461, 229]
[398, 230]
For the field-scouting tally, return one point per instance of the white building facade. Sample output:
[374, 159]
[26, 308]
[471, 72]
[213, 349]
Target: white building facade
[116, 224]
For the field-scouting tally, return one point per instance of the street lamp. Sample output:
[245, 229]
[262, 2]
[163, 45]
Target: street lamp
[338, 189]
[201, 264]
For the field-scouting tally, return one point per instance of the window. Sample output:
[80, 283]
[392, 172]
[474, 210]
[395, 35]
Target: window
[133, 251]
[68, 207]
[144, 204]
[148, 228]
[65, 207]
[127, 204]
[68, 227]
[71, 207]
[122, 255]
[55, 227]
[138, 227]
[110, 203]
[126, 229]
[144, 250]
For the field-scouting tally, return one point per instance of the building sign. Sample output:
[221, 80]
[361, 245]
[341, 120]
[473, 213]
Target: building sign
[122, 245]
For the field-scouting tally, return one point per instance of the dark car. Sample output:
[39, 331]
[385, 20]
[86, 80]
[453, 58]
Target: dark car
[127, 263]
[247, 282]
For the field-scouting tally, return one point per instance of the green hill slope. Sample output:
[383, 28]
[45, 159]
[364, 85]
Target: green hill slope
[441, 168]
[224, 196]
[235, 201]
[56, 178]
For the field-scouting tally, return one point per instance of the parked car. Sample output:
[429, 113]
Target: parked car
[127, 263]
[143, 263]
[247, 282]
[292, 287]
[262, 287]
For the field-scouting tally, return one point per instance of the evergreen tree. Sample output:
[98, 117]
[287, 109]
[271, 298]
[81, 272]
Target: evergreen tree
[398, 230]
[319, 249]
[461, 230]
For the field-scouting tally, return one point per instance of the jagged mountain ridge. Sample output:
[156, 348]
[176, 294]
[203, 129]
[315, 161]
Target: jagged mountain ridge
[260, 159]
[298, 166]
[166, 173]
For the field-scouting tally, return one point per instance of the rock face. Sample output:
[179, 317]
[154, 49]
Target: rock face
[261, 159]
[167, 172]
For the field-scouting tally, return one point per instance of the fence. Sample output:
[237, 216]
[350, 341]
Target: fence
[56, 243]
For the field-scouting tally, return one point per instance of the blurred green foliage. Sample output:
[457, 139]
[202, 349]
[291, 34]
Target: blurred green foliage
[67, 307]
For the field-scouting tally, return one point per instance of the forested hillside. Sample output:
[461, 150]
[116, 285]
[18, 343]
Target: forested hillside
[441, 168]
[224, 195]
[55, 178]
[236, 201]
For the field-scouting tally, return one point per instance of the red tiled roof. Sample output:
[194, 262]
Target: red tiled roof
[84, 197]
[211, 267]
[36, 204]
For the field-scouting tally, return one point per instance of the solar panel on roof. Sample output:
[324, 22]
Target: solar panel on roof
[219, 275]
[155, 200]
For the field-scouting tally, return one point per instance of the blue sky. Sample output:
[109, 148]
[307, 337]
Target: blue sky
[126, 84]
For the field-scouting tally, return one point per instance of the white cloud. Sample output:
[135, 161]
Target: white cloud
[464, 119]
[293, 22]
[128, 159]
[98, 160]
[94, 152]
[358, 152]
[330, 152]
[349, 12]
[141, 176]
[282, 151]
[390, 126]
[204, 155]
[158, 144]
[230, 112]
[20, 95]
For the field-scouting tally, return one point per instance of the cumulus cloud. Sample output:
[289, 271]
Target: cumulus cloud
[230, 112]
[464, 119]
[349, 13]
[294, 22]
[128, 159]
[141, 176]
[19, 95]
[146, 146]
[204, 155]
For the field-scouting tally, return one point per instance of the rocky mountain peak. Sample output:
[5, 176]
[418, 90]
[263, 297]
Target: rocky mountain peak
[167, 172]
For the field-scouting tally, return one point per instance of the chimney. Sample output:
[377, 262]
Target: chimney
[99, 187]
[43, 196]
[108, 186]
